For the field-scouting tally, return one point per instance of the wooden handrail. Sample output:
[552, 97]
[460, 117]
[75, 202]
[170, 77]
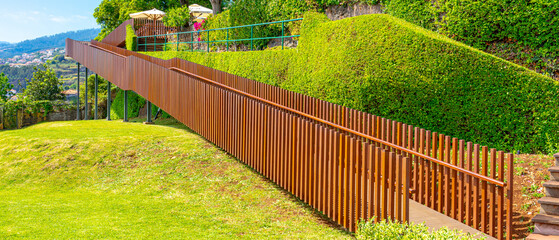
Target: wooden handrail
[473, 174]
[107, 50]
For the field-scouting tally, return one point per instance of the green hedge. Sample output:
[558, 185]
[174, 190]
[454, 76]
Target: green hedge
[130, 38]
[245, 12]
[388, 230]
[476, 22]
[135, 103]
[389, 67]
[9, 109]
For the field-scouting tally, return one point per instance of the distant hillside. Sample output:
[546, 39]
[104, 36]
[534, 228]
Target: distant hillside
[8, 50]
[65, 69]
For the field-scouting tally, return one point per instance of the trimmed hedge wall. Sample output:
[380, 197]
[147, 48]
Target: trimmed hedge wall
[391, 68]
[476, 22]
[130, 38]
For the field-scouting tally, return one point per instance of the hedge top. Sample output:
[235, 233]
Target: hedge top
[386, 66]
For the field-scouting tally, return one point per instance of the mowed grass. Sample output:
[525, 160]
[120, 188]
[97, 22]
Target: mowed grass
[101, 179]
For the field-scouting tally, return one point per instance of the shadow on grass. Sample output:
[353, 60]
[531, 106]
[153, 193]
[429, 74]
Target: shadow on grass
[173, 123]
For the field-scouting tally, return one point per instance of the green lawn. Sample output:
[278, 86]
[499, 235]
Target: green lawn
[100, 179]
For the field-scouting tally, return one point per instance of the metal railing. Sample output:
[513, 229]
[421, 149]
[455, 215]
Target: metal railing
[346, 163]
[202, 38]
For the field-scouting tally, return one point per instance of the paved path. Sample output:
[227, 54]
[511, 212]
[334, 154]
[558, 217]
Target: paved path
[434, 220]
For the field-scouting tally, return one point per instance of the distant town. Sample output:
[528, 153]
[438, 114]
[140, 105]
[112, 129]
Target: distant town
[34, 58]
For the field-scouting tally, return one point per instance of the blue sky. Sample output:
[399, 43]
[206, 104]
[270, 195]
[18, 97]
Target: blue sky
[28, 19]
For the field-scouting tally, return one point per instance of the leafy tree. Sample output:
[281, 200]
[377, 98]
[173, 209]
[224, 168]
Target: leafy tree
[177, 17]
[111, 13]
[44, 85]
[5, 87]
[180, 16]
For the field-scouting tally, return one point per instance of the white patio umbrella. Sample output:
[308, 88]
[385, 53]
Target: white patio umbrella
[195, 8]
[153, 14]
[200, 13]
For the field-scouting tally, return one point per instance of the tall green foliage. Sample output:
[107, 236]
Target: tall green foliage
[44, 85]
[135, 102]
[5, 86]
[111, 13]
[130, 38]
[246, 12]
[476, 22]
[394, 230]
[177, 17]
[391, 68]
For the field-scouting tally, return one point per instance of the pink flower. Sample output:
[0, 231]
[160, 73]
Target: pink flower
[197, 26]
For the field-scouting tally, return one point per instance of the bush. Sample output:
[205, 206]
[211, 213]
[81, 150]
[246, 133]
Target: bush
[394, 69]
[246, 12]
[394, 230]
[476, 22]
[177, 17]
[130, 38]
[10, 108]
[135, 103]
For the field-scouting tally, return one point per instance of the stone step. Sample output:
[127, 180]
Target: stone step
[554, 173]
[546, 224]
[556, 156]
[551, 188]
[549, 206]
[535, 236]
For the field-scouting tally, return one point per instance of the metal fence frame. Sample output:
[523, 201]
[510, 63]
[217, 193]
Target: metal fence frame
[207, 32]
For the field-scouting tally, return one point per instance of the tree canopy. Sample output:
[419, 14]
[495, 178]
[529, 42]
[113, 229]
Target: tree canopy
[5, 87]
[44, 85]
[111, 13]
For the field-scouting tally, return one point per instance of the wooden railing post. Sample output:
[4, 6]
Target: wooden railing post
[510, 186]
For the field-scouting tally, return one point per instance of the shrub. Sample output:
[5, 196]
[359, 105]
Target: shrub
[476, 22]
[394, 69]
[394, 230]
[10, 108]
[135, 103]
[177, 17]
[246, 12]
[130, 38]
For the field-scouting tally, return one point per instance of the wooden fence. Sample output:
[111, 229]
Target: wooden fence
[148, 27]
[348, 164]
[118, 36]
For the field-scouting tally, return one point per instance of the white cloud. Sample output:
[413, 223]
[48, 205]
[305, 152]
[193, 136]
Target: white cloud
[79, 17]
[58, 19]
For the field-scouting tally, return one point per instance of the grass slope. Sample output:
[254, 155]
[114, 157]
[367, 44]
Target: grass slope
[389, 67]
[99, 179]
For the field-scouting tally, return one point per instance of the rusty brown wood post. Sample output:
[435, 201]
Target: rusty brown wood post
[510, 184]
